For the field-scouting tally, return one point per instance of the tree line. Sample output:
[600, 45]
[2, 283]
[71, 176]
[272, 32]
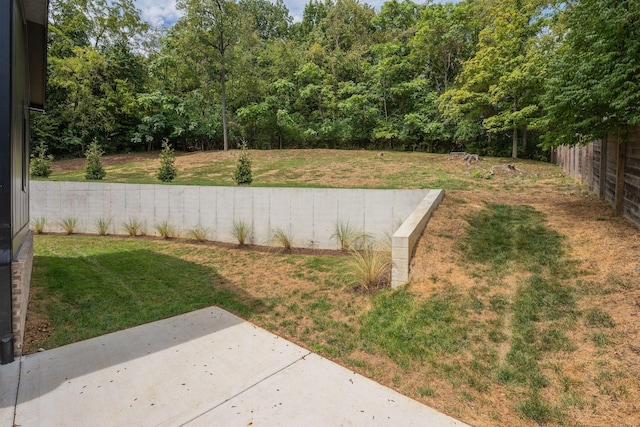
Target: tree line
[494, 77]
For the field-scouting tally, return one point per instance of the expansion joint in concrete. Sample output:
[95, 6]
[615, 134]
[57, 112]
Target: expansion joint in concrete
[240, 393]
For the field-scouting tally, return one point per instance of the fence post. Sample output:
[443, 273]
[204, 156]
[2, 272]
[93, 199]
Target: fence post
[583, 162]
[620, 166]
[590, 167]
[603, 167]
[572, 164]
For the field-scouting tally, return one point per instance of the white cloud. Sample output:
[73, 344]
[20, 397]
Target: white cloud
[158, 12]
[296, 7]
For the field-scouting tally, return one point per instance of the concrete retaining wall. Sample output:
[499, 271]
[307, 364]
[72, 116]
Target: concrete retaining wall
[309, 214]
[406, 237]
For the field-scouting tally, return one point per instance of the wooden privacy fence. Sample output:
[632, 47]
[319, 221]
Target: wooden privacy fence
[610, 168]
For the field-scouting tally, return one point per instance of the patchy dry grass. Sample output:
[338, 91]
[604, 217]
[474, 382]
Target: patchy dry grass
[309, 168]
[522, 308]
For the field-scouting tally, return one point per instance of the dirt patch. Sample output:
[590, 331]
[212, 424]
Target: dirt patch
[38, 326]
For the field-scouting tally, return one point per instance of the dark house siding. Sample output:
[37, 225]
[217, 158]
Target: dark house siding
[19, 130]
[22, 81]
[6, 232]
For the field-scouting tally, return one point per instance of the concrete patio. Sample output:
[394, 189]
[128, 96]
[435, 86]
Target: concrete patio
[205, 368]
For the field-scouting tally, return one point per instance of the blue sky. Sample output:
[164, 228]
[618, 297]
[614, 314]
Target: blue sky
[161, 12]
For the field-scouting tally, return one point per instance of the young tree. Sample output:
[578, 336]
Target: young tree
[167, 171]
[41, 161]
[242, 174]
[93, 168]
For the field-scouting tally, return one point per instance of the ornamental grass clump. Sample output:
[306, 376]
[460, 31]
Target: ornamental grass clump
[348, 236]
[134, 227]
[166, 230]
[199, 233]
[241, 231]
[282, 239]
[93, 169]
[103, 225]
[38, 224]
[167, 171]
[69, 225]
[372, 266]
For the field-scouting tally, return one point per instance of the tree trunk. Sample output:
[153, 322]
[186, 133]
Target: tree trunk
[384, 100]
[514, 145]
[524, 137]
[224, 105]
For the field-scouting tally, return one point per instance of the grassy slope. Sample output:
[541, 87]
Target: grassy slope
[502, 323]
[323, 168]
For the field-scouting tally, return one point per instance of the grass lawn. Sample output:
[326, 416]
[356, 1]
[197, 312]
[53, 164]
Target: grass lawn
[511, 317]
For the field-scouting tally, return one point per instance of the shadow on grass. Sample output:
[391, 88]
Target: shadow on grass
[128, 291]
[88, 296]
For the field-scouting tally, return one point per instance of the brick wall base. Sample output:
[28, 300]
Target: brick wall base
[20, 285]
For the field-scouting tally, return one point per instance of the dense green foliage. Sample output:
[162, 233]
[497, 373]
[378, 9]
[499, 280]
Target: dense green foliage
[486, 76]
[594, 78]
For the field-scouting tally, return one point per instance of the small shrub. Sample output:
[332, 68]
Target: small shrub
[103, 225]
[243, 174]
[349, 236]
[69, 224]
[199, 233]
[38, 224]
[167, 171]
[134, 227]
[282, 239]
[93, 168]
[166, 230]
[372, 266]
[41, 161]
[241, 231]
